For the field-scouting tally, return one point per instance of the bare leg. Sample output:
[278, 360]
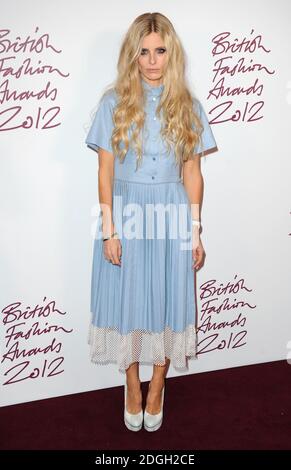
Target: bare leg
[154, 397]
[134, 394]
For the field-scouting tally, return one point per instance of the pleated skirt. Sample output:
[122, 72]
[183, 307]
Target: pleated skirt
[144, 310]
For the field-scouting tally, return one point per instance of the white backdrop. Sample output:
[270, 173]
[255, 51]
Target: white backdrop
[56, 59]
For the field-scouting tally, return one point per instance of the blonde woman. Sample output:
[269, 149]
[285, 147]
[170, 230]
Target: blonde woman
[150, 132]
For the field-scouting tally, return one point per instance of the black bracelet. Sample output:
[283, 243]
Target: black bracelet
[108, 238]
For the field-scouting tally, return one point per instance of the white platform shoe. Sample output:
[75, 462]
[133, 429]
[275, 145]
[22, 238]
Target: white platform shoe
[154, 422]
[133, 422]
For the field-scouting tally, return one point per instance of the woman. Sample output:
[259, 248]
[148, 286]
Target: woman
[150, 133]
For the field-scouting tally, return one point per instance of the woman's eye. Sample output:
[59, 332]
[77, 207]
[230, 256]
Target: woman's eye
[160, 51]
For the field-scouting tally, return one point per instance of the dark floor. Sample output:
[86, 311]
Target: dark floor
[240, 408]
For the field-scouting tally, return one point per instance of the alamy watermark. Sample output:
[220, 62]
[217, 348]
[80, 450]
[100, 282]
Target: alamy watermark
[149, 221]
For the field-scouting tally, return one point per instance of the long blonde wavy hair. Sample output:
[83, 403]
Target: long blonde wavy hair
[176, 101]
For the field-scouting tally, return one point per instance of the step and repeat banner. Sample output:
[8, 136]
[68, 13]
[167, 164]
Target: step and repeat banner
[56, 59]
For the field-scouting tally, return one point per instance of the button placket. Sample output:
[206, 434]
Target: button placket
[154, 107]
[154, 124]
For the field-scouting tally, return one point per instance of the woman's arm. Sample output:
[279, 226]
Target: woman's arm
[193, 182]
[112, 247]
[105, 188]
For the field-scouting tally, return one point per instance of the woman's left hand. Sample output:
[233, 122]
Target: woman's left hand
[198, 252]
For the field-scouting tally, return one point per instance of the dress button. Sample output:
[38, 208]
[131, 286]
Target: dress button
[154, 158]
[153, 177]
[155, 118]
[154, 99]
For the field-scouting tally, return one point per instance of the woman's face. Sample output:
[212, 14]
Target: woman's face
[152, 59]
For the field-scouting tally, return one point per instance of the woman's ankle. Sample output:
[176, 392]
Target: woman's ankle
[157, 382]
[133, 383]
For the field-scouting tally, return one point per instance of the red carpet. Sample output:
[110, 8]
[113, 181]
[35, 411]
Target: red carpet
[240, 408]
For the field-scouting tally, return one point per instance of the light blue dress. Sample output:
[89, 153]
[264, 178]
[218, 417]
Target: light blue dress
[145, 309]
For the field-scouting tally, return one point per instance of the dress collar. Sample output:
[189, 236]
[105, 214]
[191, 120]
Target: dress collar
[153, 90]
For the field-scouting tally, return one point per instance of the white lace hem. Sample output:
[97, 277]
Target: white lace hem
[107, 345]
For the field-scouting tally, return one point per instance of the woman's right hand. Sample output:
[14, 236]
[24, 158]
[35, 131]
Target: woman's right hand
[112, 250]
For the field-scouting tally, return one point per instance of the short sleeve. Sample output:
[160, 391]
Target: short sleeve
[207, 141]
[102, 126]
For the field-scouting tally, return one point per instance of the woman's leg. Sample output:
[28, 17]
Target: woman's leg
[134, 394]
[154, 396]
